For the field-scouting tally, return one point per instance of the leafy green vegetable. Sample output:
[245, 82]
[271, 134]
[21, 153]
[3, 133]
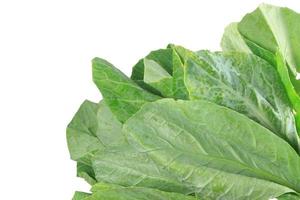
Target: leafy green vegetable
[198, 125]
[228, 159]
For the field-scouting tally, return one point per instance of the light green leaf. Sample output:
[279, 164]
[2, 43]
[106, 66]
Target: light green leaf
[108, 192]
[274, 28]
[81, 133]
[93, 128]
[272, 33]
[158, 78]
[80, 196]
[233, 41]
[217, 150]
[109, 129]
[125, 166]
[123, 96]
[245, 83]
[105, 186]
[138, 77]
[163, 57]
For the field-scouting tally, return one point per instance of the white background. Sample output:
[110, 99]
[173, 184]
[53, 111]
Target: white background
[45, 72]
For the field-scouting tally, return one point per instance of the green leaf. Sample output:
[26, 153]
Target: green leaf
[217, 150]
[93, 128]
[179, 88]
[162, 71]
[162, 57]
[109, 128]
[272, 33]
[81, 133]
[80, 196]
[108, 192]
[125, 166]
[155, 72]
[275, 28]
[123, 96]
[245, 83]
[138, 77]
[242, 44]
[105, 186]
[239, 81]
[294, 98]
[158, 78]
[289, 197]
[233, 41]
[86, 172]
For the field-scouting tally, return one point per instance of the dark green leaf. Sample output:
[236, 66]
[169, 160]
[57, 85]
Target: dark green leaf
[86, 172]
[123, 96]
[289, 197]
[155, 72]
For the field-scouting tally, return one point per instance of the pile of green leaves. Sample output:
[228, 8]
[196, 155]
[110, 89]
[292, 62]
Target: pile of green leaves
[194, 125]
